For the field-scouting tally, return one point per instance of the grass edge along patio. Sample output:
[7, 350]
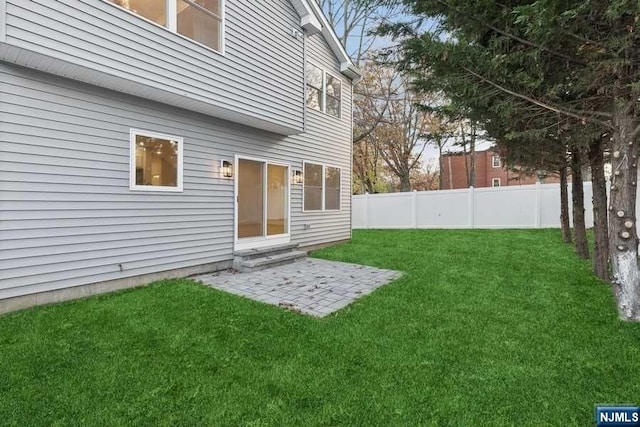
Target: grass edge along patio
[522, 335]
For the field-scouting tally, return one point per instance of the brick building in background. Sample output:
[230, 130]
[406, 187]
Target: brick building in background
[490, 171]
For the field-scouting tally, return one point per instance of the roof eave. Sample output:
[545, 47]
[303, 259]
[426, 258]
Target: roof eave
[347, 67]
[311, 24]
[351, 71]
[308, 19]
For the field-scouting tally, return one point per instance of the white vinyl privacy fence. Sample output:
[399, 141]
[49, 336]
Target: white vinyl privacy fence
[525, 206]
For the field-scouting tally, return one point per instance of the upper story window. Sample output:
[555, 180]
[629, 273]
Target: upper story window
[324, 91]
[199, 20]
[496, 161]
[334, 95]
[495, 182]
[153, 10]
[315, 87]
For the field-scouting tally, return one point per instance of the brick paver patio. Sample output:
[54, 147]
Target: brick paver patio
[310, 286]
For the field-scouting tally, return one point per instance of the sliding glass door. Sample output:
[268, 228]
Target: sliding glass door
[250, 198]
[277, 203]
[262, 209]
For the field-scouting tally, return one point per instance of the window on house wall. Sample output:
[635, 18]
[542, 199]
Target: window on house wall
[324, 91]
[156, 162]
[153, 10]
[199, 20]
[495, 182]
[496, 161]
[315, 84]
[334, 95]
[321, 187]
[313, 184]
[332, 188]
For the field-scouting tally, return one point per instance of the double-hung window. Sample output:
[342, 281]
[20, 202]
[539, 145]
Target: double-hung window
[315, 87]
[324, 91]
[199, 20]
[333, 95]
[495, 161]
[322, 188]
[331, 188]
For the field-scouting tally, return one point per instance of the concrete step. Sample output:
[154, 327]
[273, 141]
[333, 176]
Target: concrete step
[257, 264]
[261, 253]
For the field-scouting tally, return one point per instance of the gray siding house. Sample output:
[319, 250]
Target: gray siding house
[143, 139]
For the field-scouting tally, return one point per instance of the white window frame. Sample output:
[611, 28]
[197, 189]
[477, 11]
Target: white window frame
[132, 162]
[325, 80]
[245, 243]
[172, 23]
[323, 89]
[324, 186]
[493, 182]
[493, 161]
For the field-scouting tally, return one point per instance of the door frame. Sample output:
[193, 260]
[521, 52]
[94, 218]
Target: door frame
[261, 241]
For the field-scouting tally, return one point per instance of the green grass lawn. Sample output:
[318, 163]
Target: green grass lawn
[485, 328]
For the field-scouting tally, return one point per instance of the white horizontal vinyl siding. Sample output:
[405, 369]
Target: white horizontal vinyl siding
[260, 75]
[327, 140]
[67, 216]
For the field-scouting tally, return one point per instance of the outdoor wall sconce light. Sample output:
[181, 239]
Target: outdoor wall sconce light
[226, 169]
[297, 176]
